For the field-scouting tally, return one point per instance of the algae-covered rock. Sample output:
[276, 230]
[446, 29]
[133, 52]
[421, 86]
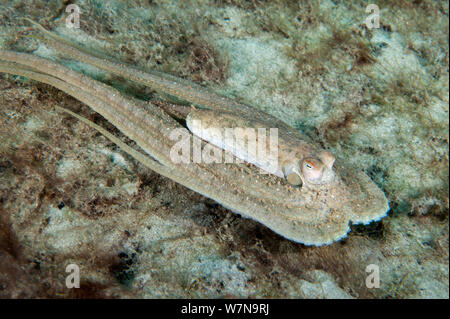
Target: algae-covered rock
[377, 98]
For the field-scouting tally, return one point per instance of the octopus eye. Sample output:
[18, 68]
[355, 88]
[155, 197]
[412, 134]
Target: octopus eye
[312, 170]
[309, 165]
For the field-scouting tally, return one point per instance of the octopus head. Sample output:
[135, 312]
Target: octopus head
[310, 170]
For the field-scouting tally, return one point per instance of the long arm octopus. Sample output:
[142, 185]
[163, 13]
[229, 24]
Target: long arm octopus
[315, 215]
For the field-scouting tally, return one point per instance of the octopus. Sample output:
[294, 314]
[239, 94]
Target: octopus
[310, 198]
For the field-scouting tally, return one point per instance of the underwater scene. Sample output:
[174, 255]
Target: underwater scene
[206, 149]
